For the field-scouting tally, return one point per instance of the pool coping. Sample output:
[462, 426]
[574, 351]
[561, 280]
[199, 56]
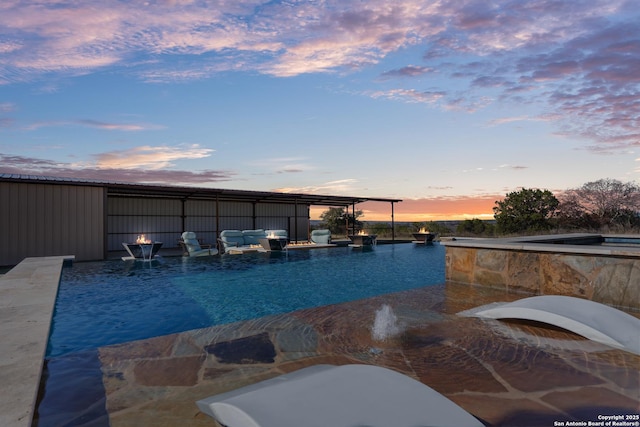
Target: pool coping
[27, 301]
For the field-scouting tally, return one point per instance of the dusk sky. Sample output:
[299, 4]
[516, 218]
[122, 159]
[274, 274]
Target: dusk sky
[448, 105]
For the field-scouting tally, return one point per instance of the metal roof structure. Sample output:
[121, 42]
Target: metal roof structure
[124, 189]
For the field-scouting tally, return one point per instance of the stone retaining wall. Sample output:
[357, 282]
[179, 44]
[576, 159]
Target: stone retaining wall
[605, 278]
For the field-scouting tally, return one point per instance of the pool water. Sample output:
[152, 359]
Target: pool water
[109, 302]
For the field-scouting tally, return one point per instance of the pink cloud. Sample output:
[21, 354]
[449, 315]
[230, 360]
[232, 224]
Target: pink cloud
[583, 69]
[579, 59]
[149, 157]
[117, 126]
[35, 166]
[341, 186]
[96, 124]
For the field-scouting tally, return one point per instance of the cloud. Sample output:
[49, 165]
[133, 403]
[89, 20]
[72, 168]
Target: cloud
[96, 124]
[447, 187]
[117, 126]
[284, 165]
[514, 167]
[6, 107]
[282, 39]
[47, 37]
[348, 34]
[279, 38]
[410, 95]
[341, 187]
[597, 95]
[34, 166]
[407, 71]
[466, 104]
[504, 120]
[149, 157]
[575, 60]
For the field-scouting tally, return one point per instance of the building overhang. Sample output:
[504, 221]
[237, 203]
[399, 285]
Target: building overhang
[123, 189]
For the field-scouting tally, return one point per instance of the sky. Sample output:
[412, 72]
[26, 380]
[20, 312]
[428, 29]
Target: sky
[448, 105]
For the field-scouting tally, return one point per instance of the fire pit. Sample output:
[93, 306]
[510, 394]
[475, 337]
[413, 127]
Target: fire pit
[143, 249]
[363, 239]
[272, 243]
[424, 237]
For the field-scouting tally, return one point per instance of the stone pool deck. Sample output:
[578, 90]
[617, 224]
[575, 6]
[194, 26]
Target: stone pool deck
[506, 374]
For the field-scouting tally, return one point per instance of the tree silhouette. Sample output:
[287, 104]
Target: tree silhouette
[525, 210]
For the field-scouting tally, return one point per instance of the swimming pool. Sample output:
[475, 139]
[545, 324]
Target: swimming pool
[476, 363]
[110, 302]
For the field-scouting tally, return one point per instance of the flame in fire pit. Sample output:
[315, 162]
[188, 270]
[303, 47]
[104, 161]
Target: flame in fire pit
[142, 239]
[423, 230]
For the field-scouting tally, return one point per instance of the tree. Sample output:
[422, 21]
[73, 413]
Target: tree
[600, 204]
[474, 226]
[379, 228]
[525, 210]
[336, 220]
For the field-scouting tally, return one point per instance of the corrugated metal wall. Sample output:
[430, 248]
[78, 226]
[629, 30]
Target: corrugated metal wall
[158, 219]
[164, 220]
[40, 219]
[200, 217]
[283, 217]
[48, 220]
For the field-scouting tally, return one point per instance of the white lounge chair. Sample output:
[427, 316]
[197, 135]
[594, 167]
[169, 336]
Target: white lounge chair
[337, 396]
[322, 237]
[598, 322]
[193, 246]
[239, 242]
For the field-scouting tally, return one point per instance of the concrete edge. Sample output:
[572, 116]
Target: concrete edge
[27, 301]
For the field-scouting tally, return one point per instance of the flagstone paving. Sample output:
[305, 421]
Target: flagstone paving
[505, 374]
